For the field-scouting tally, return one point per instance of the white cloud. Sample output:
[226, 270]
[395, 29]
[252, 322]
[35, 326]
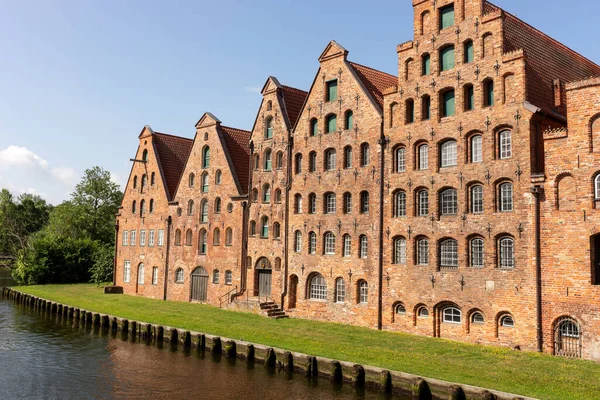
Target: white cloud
[65, 174]
[252, 89]
[20, 157]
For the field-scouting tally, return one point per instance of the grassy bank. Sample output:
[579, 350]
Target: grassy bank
[530, 374]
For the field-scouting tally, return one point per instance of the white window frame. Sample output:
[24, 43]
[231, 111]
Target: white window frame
[505, 144]
[477, 253]
[449, 202]
[155, 275]
[400, 251]
[179, 276]
[340, 290]
[449, 154]
[331, 160]
[364, 246]
[312, 243]
[477, 149]
[132, 238]
[161, 237]
[423, 156]
[228, 277]
[318, 288]
[400, 204]
[125, 238]
[298, 242]
[347, 203]
[347, 246]
[597, 186]
[400, 159]
[151, 238]
[452, 315]
[506, 197]
[449, 254]
[142, 237]
[331, 203]
[329, 247]
[363, 291]
[506, 253]
[423, 251]
[216, 276]
[127, 271]
[423, 197]
[477, 199]
[140, 274]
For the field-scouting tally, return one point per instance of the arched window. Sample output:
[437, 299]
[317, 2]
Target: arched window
[312, 161]
[347, 157]
[298, 242]
[276, 230]
[142, 207]
[506, 252]
[447, 58]
[349, 117]
[423, 156]
[329, 243]
[567, 341]
[422, 203]
[145, 155]
[144, 181]
[488, 93]
[425, 108]
[133, 207]
[256, 162]
[452, 315]
[505, 144]
[468, 51]
[216, 237]
[279, 160]
[347, 251]
[449, 154]
[205, 157]
[135, 182]
[410, 111]
[364, 247]
[507, 321]
[448, 101]
[365, 154]
[330, 123]
[151, 207]
[363, 292]
[476, 192]
[254, 195]
[190, 207]
[469, 97]
[205, 183]
[505, 191]
[152, 179]
[312, 243]
[252, 228]
[597, 187]
[298, 204]
[188, 237]
[477, 318]
[191, 179]
[318, 288]
[204, 211]
[267, 160]
[400, 309]
[400, 204]
[179, 275]
[423, 251]
[298, 163]
[218, 205]
[448, 202]
[425, 64]
[202, 242]
[228, 277]
[330, 162]
[477, 253]
[269, 128]
[400, 159]
[177, 237]
[340, 290]
[476, 146]
[218, 177]
[364, 202]
[140, 277]
[228, 237]
[314, 127]
[488, 45]
[399, 255]
[312, 203]
[449, 254]
[264, 227]
[347, 203]
[423, 312]
[216, 276]
[330, 203]
[266, 197]
[277, 196]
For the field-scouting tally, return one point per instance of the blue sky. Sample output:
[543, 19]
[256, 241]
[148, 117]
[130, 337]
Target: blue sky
[79, 79]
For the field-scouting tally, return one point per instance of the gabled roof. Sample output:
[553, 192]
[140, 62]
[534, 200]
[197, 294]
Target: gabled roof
[374, 81]
[547, 59]
[171, 153]
[294, 100]
[237, 146]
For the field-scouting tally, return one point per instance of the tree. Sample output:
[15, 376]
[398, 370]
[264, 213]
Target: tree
[102, 270]
[99, 199]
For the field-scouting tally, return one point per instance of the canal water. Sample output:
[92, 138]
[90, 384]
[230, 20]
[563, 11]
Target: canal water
[42, 357]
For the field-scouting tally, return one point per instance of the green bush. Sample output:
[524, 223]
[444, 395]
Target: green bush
[102, 269]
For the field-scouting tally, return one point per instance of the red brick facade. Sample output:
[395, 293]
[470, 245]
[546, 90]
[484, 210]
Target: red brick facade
[457, 199]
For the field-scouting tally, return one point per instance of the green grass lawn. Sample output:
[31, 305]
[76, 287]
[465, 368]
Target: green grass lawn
[529, 374]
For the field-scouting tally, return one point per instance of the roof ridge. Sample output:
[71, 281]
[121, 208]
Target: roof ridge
[373, 69]
[173, 136]
[293, 88]
[235, 129]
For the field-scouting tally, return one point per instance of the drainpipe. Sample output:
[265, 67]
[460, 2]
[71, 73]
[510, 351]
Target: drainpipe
[169, 222]
[116, 251]
[382, 142]
[537, 191]
[288, 187]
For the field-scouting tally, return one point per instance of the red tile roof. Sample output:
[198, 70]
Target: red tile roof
[294, 100]
[237, 143]
[172, 153]
[375, 81]
[547, 59]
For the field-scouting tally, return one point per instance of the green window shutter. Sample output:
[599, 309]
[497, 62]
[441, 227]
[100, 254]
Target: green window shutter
[469, 52]
[447, 17]
[314, 130]
[490, 93]
[449, 103]
[332, 87]
[349, 120]
[410, 112]
[426, 65]
[470, 98]
[426, 108]
[447, 58]
[331, 123]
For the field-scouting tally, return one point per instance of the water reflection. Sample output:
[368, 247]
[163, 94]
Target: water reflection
[46, 357]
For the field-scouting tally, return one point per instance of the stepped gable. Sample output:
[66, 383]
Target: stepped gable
[172, 153]
[376, 82]
[547, 59]
[237, 143]
[294, 101]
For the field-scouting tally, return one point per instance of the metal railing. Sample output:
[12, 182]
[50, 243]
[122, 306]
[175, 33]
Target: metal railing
[226, 297]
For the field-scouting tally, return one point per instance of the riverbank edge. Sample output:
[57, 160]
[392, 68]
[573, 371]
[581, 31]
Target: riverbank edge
[282, 360]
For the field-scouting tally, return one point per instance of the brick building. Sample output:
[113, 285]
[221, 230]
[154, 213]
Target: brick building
[457, 199]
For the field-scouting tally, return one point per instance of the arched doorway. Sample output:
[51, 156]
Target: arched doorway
[263, 277]
[199, 287]
[567, 338]
[293, 289]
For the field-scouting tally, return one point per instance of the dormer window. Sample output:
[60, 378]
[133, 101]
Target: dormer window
[332, 90]
[447, 16]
